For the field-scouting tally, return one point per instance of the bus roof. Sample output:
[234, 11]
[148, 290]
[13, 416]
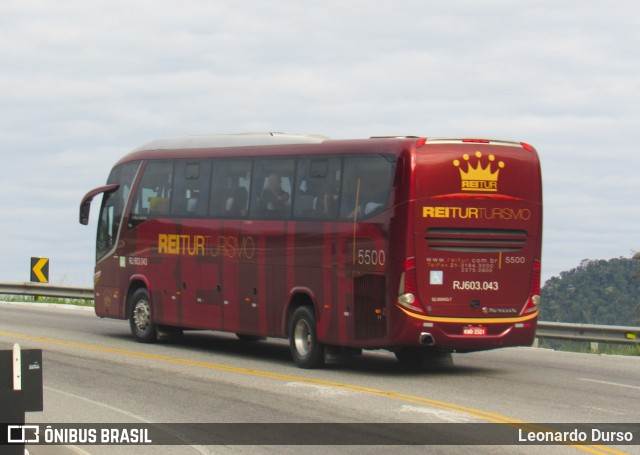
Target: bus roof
[201, 145]
[230, 140]
[276, 138]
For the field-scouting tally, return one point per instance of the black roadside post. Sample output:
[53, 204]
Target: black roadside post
[20, 392]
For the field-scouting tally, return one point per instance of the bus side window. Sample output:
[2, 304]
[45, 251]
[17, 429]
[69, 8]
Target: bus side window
[272, 182]
[237, 203]
[367, 185]
[106, 224]
[191, 188]
[230, 188]
[153, 198]
[317, 188]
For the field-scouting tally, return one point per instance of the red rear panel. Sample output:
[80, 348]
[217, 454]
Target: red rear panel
[478, 218]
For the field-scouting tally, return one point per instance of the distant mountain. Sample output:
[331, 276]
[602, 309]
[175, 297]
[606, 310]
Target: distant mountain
[595, 292]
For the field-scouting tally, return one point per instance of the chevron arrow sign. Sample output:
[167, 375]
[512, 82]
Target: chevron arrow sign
[39, 270]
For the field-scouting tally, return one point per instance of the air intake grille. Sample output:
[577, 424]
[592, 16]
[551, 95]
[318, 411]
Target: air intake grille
[476, 240]
[369, 307]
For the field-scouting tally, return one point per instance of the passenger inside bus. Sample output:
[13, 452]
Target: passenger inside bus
[237, 203]
[273, 198]
[326, 204]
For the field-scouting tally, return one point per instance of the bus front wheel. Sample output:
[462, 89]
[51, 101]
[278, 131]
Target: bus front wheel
[306, 350]
[143, 328]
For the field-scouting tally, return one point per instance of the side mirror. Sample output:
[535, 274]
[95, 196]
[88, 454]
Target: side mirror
[85, 208]
[85, 205]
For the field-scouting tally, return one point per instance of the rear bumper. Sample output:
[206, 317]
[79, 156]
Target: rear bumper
[447, 334]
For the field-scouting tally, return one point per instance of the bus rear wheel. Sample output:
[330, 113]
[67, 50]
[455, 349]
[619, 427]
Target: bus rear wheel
[142, 326]
[306, 350]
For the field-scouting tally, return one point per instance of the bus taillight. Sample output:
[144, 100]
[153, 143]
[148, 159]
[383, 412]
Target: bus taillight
[527, 147]
[409, 287]
[534, 294]
[477, 141]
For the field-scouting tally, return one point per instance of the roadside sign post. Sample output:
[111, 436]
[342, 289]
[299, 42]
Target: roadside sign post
[17, 369]
[20, 392]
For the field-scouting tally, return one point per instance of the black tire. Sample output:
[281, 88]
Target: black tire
[306, 350]
[142, 326]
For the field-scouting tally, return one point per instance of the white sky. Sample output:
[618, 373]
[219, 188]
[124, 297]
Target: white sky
[84, 82]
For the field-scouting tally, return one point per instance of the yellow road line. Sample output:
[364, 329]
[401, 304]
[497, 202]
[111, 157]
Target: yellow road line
[478, 413]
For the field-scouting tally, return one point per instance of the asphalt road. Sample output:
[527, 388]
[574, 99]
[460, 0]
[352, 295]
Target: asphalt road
[95, 373]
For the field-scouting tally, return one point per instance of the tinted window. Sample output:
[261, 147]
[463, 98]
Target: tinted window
[230, 188]
[273, 181]
[153, 198]
[113, 205]
[191, 187]
[317, 188]
[366, 186]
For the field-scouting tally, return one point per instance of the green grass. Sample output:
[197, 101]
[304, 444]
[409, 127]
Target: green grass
[592, 348]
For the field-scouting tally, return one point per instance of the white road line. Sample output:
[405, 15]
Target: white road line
[610, 383]
[446, 416]
[198, 448]
[98, 403]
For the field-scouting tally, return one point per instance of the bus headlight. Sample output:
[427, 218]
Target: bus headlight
[407, 300]
[410, 302]
[409, 287]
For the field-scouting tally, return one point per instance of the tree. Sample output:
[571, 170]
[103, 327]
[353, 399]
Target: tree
[595, 292]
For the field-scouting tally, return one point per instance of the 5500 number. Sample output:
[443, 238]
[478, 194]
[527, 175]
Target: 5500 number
[371, 257]
[514, 260]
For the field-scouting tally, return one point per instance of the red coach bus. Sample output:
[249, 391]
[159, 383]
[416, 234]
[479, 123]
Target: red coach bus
[419, 246]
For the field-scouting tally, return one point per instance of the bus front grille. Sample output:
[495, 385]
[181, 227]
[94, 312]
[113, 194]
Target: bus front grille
[474, 240]
[370, 307]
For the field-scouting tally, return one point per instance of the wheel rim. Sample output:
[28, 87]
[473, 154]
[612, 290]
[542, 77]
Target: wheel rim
[302, 338]
[141, 315]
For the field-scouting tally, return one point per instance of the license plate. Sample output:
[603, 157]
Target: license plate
[475, 330]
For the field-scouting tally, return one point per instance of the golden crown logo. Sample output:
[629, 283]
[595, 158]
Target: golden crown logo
[479, 178]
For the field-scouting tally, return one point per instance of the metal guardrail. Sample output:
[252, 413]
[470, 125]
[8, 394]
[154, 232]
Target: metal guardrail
[588, 332]
[46, 290]
[549, 330]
